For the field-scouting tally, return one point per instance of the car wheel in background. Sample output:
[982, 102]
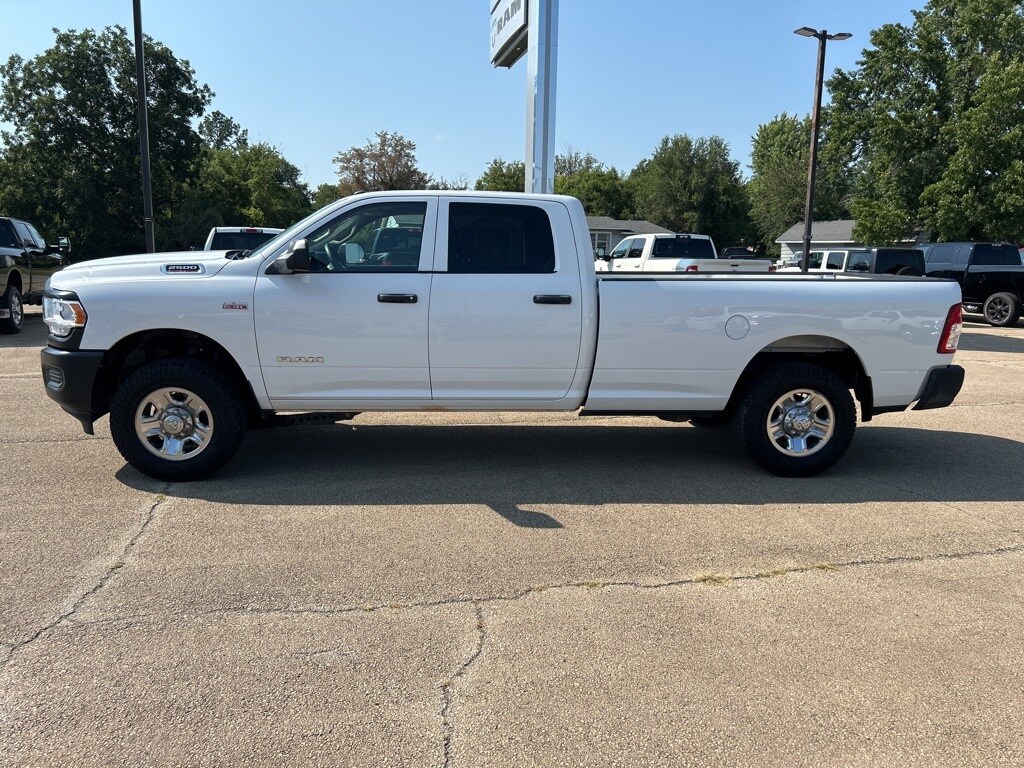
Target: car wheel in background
[1001, 310]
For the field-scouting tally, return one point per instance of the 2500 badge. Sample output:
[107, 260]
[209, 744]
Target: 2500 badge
[299, 359]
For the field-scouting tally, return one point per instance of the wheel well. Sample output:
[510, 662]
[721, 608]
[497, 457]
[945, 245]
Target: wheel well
[132, 352]
[823, 351]
[14, 278]
[1001, 288]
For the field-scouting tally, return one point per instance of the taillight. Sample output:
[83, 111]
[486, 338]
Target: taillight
[951, 330]
[691, 268]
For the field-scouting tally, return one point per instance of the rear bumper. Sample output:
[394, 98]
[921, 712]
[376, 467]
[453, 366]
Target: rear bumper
[941, 387]
[68, 377]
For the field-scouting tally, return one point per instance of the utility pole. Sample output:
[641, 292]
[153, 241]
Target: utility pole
[140, 79]
[812, 168]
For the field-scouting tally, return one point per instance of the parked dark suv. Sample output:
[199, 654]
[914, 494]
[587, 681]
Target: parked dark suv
[26, 261]
[887, 261]
[991, 277]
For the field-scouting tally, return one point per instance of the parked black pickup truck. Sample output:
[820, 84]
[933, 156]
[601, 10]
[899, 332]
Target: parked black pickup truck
[991, 277]
[26, 261]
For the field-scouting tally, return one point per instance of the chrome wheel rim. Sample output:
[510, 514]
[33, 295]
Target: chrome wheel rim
[998, 310]
[16, 310]
[174, 424]
[800, 423]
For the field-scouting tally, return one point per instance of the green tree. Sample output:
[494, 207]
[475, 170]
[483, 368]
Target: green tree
[921, 115]
[70, 160]
[573, 161]
[221, 132]
[503, 177]
[780, 152]
[387, 163]
[247, 185]
[693, 186]
[603, 193]
[326, 194]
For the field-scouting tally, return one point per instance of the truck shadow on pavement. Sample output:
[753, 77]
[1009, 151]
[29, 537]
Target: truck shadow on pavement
[33, 334]
[983, 342]
[515, 467]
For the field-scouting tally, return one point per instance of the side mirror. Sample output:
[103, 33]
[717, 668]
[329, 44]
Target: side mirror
[63, 245]
[295, 259]
[354, 253]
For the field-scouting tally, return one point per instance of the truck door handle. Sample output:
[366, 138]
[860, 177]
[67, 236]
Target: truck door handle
[397, 298]
[541, 299]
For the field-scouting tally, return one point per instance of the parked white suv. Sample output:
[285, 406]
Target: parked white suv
[239, 238]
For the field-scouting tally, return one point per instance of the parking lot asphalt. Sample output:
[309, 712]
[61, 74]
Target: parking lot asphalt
[517, 590]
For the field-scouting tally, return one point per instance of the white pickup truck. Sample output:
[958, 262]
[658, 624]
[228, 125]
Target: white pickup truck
[426, 301]
[674, 253]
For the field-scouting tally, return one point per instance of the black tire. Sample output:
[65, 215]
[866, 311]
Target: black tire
[1001, 310]
[760, 403]
[216, 403]
[913, 271]
[11, 300]
[709, 422]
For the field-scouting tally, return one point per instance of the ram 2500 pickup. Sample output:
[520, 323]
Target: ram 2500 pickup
[480, 302]
[675, 253]
[26, 262]
[991, 277]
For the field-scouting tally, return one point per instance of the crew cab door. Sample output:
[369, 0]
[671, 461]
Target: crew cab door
[506, 315]
[354, 329]
[44, 261]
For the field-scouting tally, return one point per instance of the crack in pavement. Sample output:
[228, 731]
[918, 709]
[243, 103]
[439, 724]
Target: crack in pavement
[448, 695]
[107, 575]
[86, 439]
[694, 580]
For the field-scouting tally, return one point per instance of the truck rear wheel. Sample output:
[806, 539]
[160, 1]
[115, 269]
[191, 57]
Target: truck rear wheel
[1001, 310]
[177, 419]
[796, 420]
[11, 301]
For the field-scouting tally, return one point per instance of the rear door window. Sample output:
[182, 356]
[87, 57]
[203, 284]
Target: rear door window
[941, 256]
[682, 248]
[7, 238]
[836, 259]
[860, 261]
[230, 241]
[498, 238]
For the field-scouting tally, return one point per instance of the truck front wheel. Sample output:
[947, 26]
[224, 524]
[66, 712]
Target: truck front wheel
[177, 419]
[1001, 310]
[796, 420]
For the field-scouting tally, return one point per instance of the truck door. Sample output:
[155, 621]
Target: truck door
[29, 255]
[355, 327]
[44, 261]
[614, 263]
[506, 315]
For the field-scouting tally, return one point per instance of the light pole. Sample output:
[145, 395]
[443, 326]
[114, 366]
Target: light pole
[823, 36]
[140, 82]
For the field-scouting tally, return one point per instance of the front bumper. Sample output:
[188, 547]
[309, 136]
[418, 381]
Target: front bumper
[69, 377]
[941, 387]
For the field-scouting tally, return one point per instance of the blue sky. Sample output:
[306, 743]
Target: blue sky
[316, 77]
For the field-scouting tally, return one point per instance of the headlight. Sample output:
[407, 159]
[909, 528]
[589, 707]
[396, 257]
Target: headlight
[62, 316]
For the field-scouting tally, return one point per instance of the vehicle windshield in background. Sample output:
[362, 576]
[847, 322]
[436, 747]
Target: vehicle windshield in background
[245, 241]
[682, 248]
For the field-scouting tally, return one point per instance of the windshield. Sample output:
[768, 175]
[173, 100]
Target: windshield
[293, 231]
[682, 248]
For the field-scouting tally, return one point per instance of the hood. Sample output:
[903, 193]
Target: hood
[192, 265]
